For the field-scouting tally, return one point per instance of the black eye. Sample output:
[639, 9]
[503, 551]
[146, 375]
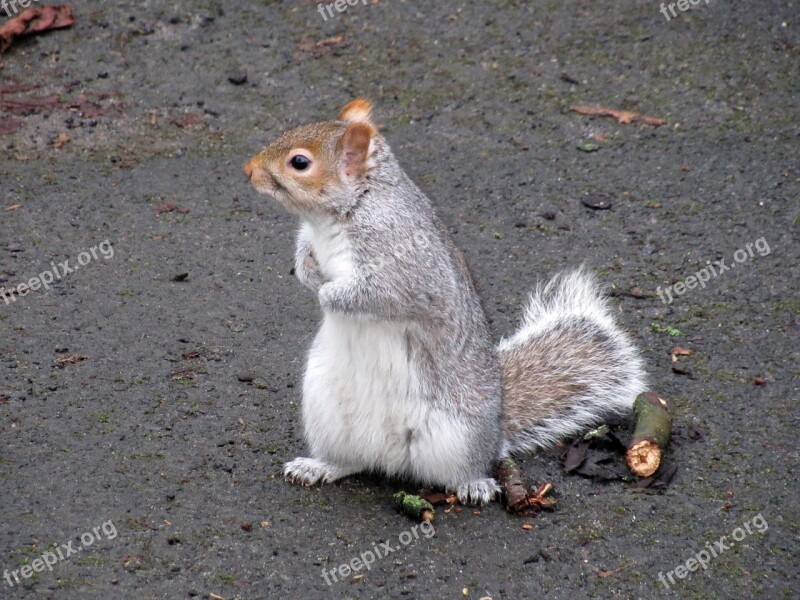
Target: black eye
[300, 162]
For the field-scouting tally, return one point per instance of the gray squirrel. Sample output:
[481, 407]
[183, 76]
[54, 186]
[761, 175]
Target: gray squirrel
[402, 377]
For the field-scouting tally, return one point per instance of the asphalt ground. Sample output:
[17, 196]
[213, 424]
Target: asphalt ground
[149, 398]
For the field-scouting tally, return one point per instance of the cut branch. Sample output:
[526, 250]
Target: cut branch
[510, 478]
[518, 498]
[651, 436]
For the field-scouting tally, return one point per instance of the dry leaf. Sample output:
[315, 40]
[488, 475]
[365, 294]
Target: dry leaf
[34, 20]
[14, 207]
[29, 106]
[622, 116]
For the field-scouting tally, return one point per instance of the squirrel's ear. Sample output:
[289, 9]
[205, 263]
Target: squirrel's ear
[357, 111]
[355, 148]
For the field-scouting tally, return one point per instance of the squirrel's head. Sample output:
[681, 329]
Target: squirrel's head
[314, 168]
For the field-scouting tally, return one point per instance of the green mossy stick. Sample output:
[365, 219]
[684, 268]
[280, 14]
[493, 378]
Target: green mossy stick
[414, 506]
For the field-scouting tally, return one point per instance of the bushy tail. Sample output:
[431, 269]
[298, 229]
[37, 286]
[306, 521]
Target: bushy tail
[568, 367]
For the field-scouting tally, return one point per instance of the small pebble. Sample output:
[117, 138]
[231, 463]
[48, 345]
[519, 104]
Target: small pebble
[597, 201]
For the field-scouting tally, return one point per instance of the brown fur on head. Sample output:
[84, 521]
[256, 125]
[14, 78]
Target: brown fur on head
[310, 169]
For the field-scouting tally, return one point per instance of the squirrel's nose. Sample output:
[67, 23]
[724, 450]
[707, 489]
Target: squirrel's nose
[249, 168]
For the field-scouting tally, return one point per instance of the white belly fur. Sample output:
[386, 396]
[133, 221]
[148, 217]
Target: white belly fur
[364, 403]
[356, 397]
[365, 408]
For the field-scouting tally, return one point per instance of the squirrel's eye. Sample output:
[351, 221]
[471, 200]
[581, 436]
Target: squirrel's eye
[300, 162]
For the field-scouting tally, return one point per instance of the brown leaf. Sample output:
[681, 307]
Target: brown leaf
[35, 20]
[622, 116]
[576, 455]
[30, 106]
[14, 207]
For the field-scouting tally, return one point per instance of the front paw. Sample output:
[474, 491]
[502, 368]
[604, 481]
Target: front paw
[309, 471]
[309, 273]
[329, 296]
[480, 491]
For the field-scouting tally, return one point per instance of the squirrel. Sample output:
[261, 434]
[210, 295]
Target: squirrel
[402, 377]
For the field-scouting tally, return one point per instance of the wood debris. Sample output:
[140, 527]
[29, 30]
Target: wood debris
[69, 359]
[622, 116]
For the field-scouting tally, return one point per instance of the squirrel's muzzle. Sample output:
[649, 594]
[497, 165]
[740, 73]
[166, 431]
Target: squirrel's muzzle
[259, 176]
[249, 168]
